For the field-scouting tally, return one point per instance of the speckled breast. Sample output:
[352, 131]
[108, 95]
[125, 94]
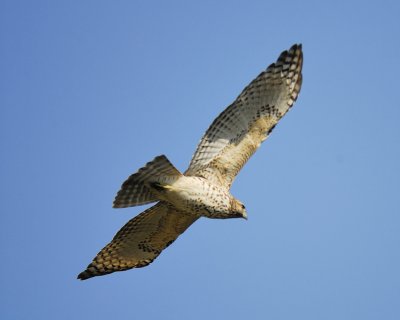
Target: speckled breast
[198, 196]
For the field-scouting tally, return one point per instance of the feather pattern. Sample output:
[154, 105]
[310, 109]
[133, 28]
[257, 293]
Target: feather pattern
[203, 190]
[239, 130]
[140, 241]
[135, 190]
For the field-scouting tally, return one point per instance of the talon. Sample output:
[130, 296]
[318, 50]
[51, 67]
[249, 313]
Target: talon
[160, 187]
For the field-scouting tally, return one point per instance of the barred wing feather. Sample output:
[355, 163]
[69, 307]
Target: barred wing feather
[239, 130]
[140, 241]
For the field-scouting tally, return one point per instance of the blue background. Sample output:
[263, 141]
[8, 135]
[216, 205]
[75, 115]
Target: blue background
[92, 90]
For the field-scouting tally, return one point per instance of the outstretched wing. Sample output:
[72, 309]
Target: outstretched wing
[239, 130]
[140, 241]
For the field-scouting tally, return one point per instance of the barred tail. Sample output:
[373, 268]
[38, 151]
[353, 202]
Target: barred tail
[136, 190]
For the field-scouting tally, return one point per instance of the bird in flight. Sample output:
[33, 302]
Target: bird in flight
[203, 189]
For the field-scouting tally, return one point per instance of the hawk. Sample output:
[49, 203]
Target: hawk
[203, 189]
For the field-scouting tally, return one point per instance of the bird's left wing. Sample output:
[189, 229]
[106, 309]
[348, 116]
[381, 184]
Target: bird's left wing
[140, 241]
[239, 130]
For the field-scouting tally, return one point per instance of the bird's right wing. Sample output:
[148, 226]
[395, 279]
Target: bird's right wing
[239, 130]
[140, 241]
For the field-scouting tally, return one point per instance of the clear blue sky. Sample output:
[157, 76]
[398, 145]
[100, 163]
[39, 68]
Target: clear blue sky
[92, 90]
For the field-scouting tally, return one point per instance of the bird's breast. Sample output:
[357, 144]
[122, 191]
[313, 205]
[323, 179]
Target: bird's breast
[198, 196]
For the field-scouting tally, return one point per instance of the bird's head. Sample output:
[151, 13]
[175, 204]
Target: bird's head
[238, 209]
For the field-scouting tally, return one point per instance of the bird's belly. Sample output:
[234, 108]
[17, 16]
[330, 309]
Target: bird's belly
[198, 196]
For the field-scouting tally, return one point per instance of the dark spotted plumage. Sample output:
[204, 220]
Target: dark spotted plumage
[203, 190]
[140, 241]
[239, 130]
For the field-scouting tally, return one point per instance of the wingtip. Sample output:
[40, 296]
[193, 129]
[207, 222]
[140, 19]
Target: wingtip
[83, 276]
[296, 49]
[92, 271]
[116, 205]
[296, 46]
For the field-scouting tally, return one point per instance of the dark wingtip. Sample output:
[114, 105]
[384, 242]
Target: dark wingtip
[90, 272]
[84, 275]
[94, 271]
[116, 205]
[296, 46]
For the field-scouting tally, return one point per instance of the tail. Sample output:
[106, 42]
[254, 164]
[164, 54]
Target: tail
[136, 190]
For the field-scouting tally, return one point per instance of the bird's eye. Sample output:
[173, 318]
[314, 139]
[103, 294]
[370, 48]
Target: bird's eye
[243, 207]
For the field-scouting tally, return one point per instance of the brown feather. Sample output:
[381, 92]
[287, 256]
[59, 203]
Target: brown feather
[140, 241]
[239, 130]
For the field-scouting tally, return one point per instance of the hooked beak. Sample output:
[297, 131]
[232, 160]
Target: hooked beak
[244, 215]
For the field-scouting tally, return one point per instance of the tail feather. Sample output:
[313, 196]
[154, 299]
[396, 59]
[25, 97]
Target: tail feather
[136, 190]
